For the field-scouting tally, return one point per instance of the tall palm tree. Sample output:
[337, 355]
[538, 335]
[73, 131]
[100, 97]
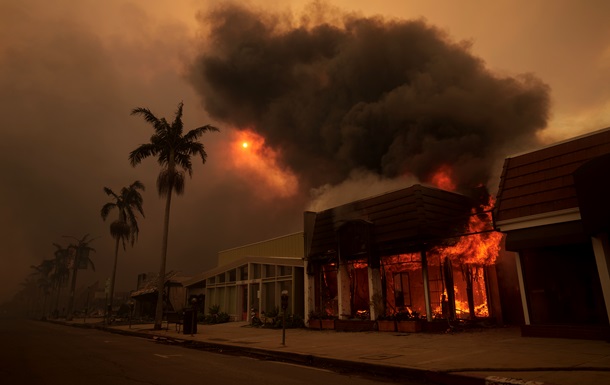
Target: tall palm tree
[79, 252]
[61, 272]
[125, 228]
[173, 151]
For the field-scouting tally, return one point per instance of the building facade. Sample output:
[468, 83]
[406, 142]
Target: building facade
[249, 280]
[413, 251]
[554, 206]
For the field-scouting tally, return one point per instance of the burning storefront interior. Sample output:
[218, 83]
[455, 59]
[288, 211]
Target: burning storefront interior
[418, 253]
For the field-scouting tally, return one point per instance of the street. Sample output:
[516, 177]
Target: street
[42, 353]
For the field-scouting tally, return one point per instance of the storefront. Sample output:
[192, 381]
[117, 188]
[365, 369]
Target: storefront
[553, 205]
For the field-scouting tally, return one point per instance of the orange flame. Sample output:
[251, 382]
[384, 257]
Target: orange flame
[482, 245]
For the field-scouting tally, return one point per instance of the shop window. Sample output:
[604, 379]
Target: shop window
[256, 270]
[402, 291]
[284, 271]
[231, 275]
[243, 272]
[269, 271]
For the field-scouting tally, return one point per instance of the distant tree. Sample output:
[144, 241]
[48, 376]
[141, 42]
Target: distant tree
[173, 151]
[79, 254]
[61, 271]
[43, 280]
[125, 227]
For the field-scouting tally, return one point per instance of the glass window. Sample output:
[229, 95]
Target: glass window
[231, 275]
[243, 272]
[256, 270]
[284, 271]
[269, 271]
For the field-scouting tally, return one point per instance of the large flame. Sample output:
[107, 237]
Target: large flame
[258, 161]
[481, 245]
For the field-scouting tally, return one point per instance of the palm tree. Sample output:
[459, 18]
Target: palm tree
[43, 271]
[125, 228]
[173, 151]
[79, 253]
[61, 272]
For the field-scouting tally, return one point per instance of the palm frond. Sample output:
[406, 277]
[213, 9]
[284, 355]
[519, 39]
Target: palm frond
[106, 209]
[142, 152]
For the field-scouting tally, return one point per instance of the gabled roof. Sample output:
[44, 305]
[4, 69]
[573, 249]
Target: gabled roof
[400, 219]
[541, 182]
[150, 286]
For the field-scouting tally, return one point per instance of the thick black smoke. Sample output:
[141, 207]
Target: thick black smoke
[393, 97]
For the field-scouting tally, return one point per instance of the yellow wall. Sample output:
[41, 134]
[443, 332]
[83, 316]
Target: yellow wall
[288, 246]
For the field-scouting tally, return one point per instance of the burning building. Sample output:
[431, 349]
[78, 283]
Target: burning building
[553, 204]
[420, 251]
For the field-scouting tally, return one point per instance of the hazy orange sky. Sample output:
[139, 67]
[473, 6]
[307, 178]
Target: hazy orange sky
[71, 71]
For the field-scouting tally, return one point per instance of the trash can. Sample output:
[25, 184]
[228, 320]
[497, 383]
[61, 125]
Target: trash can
[189, 322]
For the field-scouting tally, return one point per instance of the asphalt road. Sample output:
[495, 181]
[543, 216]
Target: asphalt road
[41, 353]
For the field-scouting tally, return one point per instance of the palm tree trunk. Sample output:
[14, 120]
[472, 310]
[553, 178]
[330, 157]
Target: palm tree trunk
[111, 296]
[57, 300]
[72, 289]
[161, 282]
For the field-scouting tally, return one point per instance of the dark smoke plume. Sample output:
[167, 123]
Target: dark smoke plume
[393, 97]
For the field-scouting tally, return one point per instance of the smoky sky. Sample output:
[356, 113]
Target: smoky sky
[394, 97]
[345, 101]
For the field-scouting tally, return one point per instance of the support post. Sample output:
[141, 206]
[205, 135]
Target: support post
[424, 270]
[601, 249]
[526, 313]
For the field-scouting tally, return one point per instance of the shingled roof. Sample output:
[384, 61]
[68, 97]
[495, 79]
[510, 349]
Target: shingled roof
[397, 221]
[542, 181]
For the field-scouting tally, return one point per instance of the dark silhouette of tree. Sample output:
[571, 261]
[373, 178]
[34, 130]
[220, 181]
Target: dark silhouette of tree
[173, 151]
[125, 227]
[79, 255]
[43, 280]
[61, 272]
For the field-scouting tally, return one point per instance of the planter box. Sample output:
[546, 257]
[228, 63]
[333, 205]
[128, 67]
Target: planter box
[414, 326]
[354, 325]
[386, 326]
[436, 326]
[327, 324]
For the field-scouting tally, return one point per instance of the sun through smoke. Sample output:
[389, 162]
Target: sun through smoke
[261, 165]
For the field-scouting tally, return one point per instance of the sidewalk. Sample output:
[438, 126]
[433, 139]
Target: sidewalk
[487, 356]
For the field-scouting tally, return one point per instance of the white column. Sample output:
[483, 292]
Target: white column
[343, 291]
[601, 249]
[424, 271]
[375, 297]
[526, 313]
[309, 291]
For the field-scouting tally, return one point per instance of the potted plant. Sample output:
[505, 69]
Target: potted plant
[408, 322]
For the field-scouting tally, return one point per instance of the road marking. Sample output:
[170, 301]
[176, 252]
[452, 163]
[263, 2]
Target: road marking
[168, 355]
